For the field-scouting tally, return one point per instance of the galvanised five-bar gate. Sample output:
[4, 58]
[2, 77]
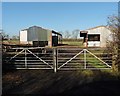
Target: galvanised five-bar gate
[57, 58]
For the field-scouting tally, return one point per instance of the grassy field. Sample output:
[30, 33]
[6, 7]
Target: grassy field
[11, 42]
[73, 43]
[69, 42]
[93, 62]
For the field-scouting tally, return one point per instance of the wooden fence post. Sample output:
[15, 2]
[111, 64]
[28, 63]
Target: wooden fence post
[114, 67]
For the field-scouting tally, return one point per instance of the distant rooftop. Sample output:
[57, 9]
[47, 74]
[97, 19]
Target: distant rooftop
[95, 27]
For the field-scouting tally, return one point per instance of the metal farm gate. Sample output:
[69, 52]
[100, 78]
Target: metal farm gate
[77, 58]
[29, 58]
[57, 58]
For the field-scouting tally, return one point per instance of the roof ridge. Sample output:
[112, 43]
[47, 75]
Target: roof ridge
[96, 27]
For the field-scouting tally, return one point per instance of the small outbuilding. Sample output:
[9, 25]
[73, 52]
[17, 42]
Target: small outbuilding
[38, 36]
[96, 37]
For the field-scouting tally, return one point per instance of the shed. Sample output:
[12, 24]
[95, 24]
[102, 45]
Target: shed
[38, 36]
[96, 37]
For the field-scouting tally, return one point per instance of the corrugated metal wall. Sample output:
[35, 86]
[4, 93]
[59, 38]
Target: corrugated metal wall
[38, 34]
[32, 34]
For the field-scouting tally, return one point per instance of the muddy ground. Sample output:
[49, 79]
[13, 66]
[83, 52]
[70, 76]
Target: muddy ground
[62, 83]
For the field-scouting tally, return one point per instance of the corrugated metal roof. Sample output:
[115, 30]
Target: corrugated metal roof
[44, 29]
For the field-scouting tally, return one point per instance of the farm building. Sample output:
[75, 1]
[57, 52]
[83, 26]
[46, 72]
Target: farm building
[96, 37]
[38, 36]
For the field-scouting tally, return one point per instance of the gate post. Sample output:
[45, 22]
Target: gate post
[55, 59]
[114, 68]
[85, 59]
[25, 59]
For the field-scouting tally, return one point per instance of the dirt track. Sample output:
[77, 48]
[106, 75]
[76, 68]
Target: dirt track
[46, 82]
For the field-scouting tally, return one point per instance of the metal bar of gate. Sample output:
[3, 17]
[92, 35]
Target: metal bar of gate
[39, 58]
[25, 58]
[17, 54]
[71, 59]
[98, 58]
[85, 59]
[55, 59]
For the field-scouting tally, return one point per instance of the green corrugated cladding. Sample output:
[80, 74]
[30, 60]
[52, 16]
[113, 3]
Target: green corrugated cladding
[38, 34]
[42, 35]
[49, 34]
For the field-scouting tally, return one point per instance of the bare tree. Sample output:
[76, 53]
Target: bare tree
[67, 35]
[75, 33]
[4, 35]
[114, 44]
[15, 37]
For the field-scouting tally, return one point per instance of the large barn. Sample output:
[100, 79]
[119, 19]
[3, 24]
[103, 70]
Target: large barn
[96, 37]
[38, 36]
